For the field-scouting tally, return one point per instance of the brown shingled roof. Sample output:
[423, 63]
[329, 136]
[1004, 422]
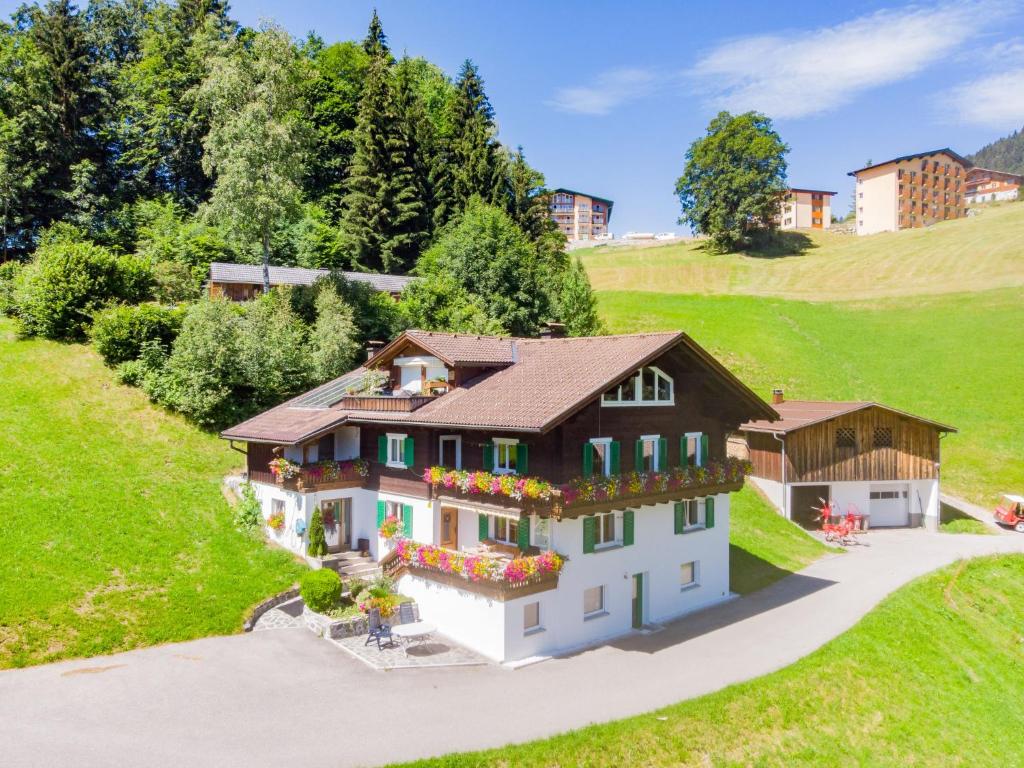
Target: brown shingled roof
[541, 382]
[797, 414]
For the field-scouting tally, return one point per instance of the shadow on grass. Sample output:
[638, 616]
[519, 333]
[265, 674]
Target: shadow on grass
[776, 245]
[796, 587]
[749, 573]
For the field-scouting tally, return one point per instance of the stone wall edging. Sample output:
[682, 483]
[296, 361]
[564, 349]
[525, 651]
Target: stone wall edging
[266, 605]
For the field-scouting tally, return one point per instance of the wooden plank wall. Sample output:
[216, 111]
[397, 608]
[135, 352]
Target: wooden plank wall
[812, 456]
[765, 455]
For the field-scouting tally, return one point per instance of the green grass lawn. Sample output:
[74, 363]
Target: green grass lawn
[942, 689]
[952, 358]
[979, 253]
[763, 545]
[113, 530]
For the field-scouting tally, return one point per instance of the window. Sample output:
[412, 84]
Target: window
[695, 513]
[394, 509]
[648, 454]
[542, 533]
[450, 453]
[883, 437]
[688, 575]
[531, 618]
[846, 437]
[396, 450]
[694, 442]
[605, 530]
[648, 386]
[878, 495]
[505, 530]
[505, 453]
[593, 601]
[277, 506]
[325, 448]
[601, 455]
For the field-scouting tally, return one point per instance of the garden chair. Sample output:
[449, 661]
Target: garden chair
[406, 613]
[379, 630]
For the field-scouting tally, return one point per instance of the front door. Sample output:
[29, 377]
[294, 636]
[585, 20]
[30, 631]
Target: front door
[638, 600]
[450, 527]
[337, 515]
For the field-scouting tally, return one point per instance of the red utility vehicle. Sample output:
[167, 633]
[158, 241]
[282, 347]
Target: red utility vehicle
[1010, 512]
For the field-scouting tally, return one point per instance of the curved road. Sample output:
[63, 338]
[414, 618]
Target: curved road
[288, 698]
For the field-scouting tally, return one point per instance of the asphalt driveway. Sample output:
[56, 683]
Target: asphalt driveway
[285, 697]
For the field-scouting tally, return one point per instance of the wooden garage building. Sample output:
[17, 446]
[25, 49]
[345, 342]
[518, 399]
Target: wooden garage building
[869, 458]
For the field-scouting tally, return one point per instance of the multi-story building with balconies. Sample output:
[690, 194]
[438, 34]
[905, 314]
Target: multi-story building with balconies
[985, 185]
[805, 209]
[910, 191]
[532, 495]
[580, 216]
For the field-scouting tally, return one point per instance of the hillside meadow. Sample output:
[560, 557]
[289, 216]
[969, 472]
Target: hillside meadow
[979, 253]
[113, 530]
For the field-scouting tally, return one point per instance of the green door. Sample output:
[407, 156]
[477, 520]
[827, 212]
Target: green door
[638, 600]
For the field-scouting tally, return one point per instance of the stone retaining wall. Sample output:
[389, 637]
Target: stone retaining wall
[336, 629]
[266, 605]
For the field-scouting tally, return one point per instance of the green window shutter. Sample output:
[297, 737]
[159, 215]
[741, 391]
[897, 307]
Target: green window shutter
[663, 454]
[489, 457]
[616, 450]
[483, 527]
[704, 450]
[522, 465]
[627, 528]
[589, 534]
[709, 512]
[683, 459]
[679, 516]
[523, 538]
[407, 520]
[410, 452]
[638, 456]
[381, 512]
[382, 449]
[588, 460]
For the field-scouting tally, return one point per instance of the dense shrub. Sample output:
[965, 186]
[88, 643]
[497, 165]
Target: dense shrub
[120, 330]
[317, 538]
[248, 512]
[320, 590]
[174, 282]
[67, 282]
[9, 271]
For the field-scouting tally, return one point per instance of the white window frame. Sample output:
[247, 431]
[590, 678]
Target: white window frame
[393, 439]
[606, 470]
[509, 443]
[655, 441]
[616, 540]
[638, 379]
[600, 610]
[698, 460]
[395, 509]
[540, 531]
[457, 439]
[533, 628]
[702, 514]
[508, 538]
[694, 573]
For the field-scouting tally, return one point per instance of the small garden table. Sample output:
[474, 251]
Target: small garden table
[417, 632]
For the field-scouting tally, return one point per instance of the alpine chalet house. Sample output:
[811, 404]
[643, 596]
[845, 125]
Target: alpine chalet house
[866, 457]
[242, 282]
[532, 495]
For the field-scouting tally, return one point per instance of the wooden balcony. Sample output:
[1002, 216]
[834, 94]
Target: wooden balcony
[387, 403]
[501, 590]
[321, 476]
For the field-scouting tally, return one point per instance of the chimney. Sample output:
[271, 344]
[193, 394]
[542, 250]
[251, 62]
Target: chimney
[553, 331]
[372, 348]
[777, 396]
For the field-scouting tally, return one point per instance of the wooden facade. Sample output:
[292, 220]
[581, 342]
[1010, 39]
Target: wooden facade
[886, 446]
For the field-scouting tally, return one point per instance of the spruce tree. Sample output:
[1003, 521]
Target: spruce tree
[386, 219]
[476, 157]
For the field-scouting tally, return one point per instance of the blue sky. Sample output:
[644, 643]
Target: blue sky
[605, 97]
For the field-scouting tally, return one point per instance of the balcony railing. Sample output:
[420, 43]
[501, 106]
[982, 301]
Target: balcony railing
[321, 475]
[389, 403]
[586, 496]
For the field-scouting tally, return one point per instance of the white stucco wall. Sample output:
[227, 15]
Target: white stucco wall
[876, 194]
[770, 488]
[922, 499]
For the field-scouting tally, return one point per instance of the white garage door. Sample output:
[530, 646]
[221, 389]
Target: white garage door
[889, 505]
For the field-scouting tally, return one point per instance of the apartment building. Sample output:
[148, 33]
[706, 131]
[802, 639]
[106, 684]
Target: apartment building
[580, 216]
[985, 185]
[805, 209]
[910, 191]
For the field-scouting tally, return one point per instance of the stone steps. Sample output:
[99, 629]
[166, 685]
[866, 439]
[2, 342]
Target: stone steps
[351, 565]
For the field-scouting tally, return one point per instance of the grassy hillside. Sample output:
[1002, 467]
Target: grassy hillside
[974, 254]
[953, 358]
[113, 530]
[941, 690]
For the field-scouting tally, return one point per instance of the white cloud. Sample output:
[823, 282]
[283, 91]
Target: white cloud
[806, 73]
[995, 101]
[610, 89]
